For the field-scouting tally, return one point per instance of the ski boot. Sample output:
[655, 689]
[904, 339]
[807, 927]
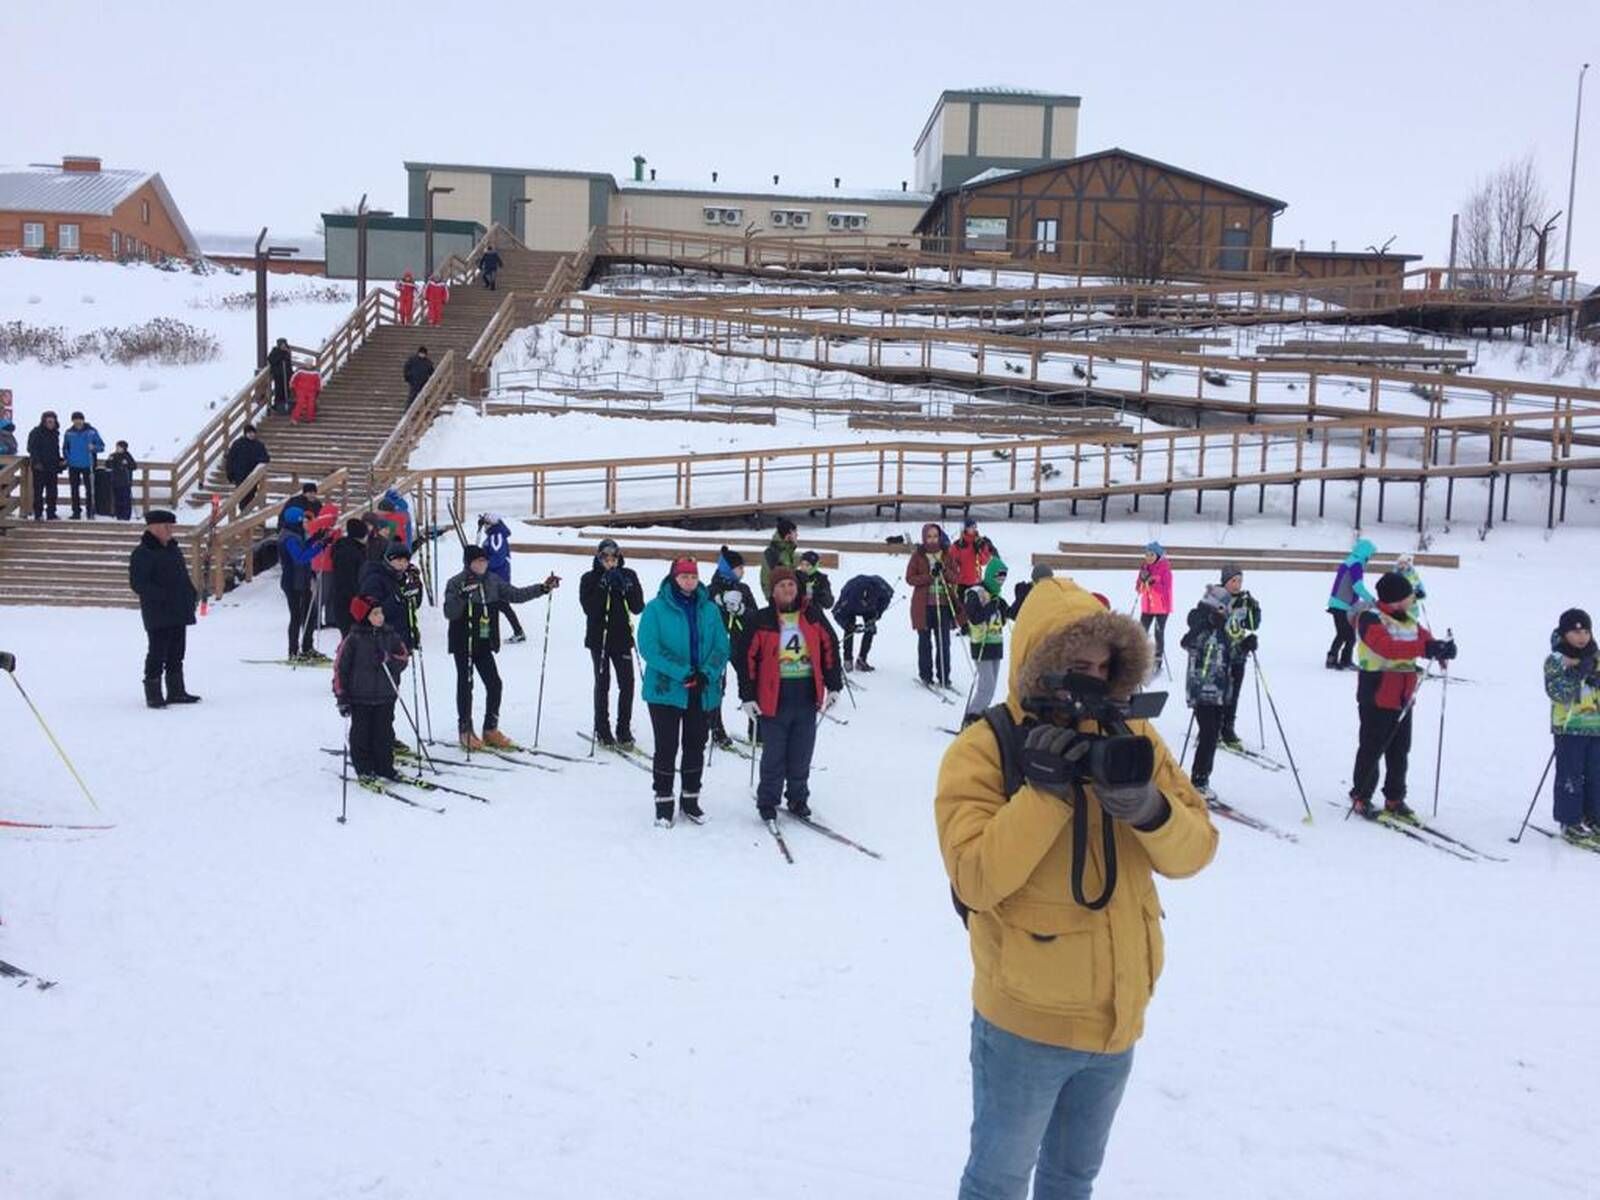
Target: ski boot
[497, 740]
[1203, 786]
[1578, 833]
[1331, 662]
[863, 665]
[470, 741]
[1399, 810]
[799, 808]
[1229, 740]
[516, 639]
[1364, 808]
[625, 740]
[689, 806]
[767, 812]
[602, 737]
[721, 740]
[664, 812]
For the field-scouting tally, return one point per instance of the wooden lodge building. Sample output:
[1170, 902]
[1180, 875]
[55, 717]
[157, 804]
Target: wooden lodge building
[82, 208]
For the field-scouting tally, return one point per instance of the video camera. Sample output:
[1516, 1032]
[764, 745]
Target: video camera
[1114, 756]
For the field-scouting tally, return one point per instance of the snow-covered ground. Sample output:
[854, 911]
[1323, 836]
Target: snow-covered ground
[547, 996]
[157, 408]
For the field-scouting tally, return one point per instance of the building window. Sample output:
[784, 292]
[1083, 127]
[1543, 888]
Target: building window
[144, 211]
[116, 244]
[1045, 233]
[987, 233]
[67, 237]
[33, 235]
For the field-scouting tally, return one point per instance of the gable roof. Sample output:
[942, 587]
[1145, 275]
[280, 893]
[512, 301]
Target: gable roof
[86, 193]
[1057, 164]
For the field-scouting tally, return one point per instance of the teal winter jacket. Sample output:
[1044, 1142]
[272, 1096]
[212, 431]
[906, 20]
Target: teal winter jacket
[672, 651]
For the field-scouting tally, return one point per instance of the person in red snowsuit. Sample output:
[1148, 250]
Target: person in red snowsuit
[306, 385]
[406, 294]
[434, 296]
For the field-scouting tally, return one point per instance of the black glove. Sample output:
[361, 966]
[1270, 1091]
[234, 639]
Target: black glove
[1249, 644]
[1440, 651]
[1050, 756]
[8, 661]
[694, 681]
[344, 710]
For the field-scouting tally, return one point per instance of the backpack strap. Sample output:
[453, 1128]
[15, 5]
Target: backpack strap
[1005, 730]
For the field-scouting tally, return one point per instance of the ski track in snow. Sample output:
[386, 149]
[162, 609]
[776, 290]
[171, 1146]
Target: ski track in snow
[548, 996]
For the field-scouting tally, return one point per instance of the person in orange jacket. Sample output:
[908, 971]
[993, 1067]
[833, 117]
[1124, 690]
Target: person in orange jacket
[406, 298]
[434, 296]
[307, 386]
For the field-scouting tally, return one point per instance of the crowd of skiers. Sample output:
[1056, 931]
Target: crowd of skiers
[75, 450]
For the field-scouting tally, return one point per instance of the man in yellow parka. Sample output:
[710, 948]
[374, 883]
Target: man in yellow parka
[1056, 880]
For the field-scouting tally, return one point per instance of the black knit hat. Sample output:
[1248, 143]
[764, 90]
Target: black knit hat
[397, 549]
[1573, 618]
[811, 556]
[732, 557]
[1393, 587]
[355, 527]
[1231, 571]
[472, 554]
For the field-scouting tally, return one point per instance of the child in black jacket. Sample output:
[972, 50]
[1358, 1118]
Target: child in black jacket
[366, 680]
[122, 466]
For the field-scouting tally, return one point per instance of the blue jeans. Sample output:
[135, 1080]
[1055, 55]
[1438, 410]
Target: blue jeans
[1038, 1104]
[1577, 777]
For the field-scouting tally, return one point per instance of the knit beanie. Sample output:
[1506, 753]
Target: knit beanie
[811, 558]
[397, 549]
[1230, 571]
[777, 575]
[1041, 571]
[360, 606]
[732, 557]
[1393, 587]
[1573, 618]
[472, 554]
[685, 566]
[607, 546]
[293, 515]
[1154, 548]
[355, 527]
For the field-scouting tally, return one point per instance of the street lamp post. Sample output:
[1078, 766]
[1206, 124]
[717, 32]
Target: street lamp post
[263, 254]
[427, 225]
[516, 203]
[362, 213]
[1572, 196]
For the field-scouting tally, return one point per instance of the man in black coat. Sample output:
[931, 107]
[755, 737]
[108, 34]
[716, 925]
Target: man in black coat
[608, 592]
[349, 556]
[489, 267]
[246, 454]
[280, 363]
[167, 600]
[44, 454]
[418, 370]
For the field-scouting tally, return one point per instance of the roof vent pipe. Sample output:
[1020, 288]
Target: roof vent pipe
[774, 181]
[835, 181]
[638, 167]
[902, 185]
[652, 174]
[713, 177]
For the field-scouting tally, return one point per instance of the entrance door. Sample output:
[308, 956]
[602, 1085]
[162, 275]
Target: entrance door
[1235, 254]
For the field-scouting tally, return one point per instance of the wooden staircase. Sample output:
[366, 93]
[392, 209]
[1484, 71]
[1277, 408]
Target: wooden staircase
[362, 404]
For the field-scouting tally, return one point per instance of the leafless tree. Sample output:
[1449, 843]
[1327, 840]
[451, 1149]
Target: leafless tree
[1498, 228]
[1144, 251]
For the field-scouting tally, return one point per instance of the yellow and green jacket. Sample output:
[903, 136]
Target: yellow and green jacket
[1574, 691]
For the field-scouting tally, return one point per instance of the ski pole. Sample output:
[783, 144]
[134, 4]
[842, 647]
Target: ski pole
[422, 750]
[538, 719]
[1184, 753]
[1261, 720]
[427, 701]
[755, 749]
[1528, 816]
[10, 670]
[344, 775]
[1282, 737]
[1444, 702]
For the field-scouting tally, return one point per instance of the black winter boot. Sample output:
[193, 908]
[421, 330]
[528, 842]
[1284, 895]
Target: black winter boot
[689, 805]
[664, 807]
[152, 692]
[176, 693]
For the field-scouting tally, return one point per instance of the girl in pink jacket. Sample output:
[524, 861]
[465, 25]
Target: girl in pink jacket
[1155, 595]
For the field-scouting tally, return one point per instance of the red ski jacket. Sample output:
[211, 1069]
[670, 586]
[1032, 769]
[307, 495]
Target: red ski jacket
[757, 668]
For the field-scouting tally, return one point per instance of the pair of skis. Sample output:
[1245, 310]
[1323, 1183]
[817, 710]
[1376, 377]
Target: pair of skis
[1420, 831]
[1223, 809]
[1591, 844]
[634, 757]
[944, 693]
[816, 826]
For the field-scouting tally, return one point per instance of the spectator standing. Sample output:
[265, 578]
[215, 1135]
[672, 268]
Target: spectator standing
[167, 600]
[80, 444]
[246, 454]
[280, 367]
[122, 465]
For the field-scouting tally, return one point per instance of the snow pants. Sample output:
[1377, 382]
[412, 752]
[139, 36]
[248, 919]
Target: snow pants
[983, 687]
[302, 622]
[1577, 778]
[1159, 620]
[605, 664]
[1383, 736]
[1343, 646]
[1208, 726]
[669, 724]
[787, 742]
[44, 494]
[1038, 1110]
[372, 739]
[937, 623]
[481, 659]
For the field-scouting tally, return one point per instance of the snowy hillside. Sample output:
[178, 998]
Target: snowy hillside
[157, 407]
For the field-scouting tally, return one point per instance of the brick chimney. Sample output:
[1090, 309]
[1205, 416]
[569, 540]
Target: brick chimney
[80, 162]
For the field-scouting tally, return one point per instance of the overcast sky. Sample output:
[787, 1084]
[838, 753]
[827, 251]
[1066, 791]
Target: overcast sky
[1370, 119]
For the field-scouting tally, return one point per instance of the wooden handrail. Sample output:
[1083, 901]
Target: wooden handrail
[215, 546]
[419, 417]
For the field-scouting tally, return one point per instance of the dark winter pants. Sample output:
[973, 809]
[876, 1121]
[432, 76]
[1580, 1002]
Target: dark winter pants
[280, 394]
[935, 621]
[83, 476]
[668, 723]
[787, 741]
[1159, 620]
[510, 614]
[1344, 638]
[165, 651]
[1577, 778]
[1231, 712]
[481, 658]
[44, 494]
[372, 739]
[1383, 736]
[488, 278]
[1207, 724]
[122, 501]
[604, 664]
[302, 625]
[871, 628]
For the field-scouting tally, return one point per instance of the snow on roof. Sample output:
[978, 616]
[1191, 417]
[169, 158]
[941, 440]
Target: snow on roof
[820, 192]
[311, 246]
[991, 173]
[52, 190]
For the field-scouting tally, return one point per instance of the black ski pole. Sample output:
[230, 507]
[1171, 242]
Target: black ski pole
[1444, 703]
[1282, 737]
[1261, 716]
[422, 750]
[344, 775]
[427, 701]
[9, 665]
[538, 717]
[1184, 753]
[1528, 816]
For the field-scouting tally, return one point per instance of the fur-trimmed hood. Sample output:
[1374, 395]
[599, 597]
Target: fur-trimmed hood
[1059, 617]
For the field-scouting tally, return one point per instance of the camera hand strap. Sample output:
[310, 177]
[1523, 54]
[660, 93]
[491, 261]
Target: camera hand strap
[1080, 850]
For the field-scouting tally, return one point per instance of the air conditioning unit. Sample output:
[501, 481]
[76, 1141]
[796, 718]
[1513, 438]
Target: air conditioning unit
[713, 215]
[847, 220]
[780, 218]
[799, 220]
[835, 220]
[732, 216]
